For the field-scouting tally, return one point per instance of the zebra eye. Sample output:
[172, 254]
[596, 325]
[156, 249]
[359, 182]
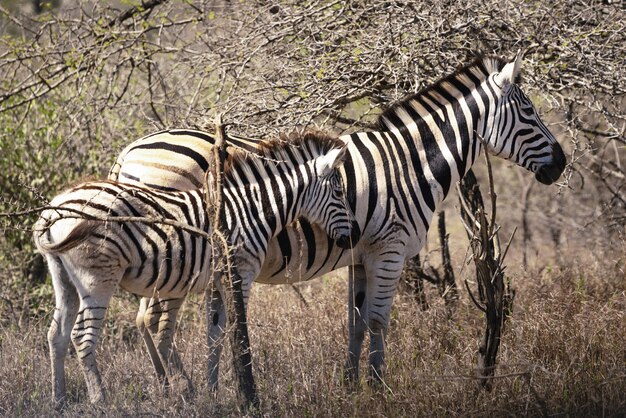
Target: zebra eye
[528, 111]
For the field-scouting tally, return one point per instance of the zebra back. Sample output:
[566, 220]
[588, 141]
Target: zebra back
[174, 159]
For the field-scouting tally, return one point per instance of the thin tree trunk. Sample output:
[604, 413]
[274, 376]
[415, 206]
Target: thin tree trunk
[230, 280]
[495, 297]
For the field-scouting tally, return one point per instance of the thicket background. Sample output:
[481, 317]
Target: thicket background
[80, 79]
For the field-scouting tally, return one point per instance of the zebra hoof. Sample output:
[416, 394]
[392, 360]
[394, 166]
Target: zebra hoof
[59, 403]
[351, 378]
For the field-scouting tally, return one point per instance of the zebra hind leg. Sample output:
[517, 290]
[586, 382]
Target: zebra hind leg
[95, 294]
[59, 334]
[160, 320]
[141, 321]
[357, 321]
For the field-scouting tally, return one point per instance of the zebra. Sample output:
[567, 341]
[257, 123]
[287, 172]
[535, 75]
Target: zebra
[88, 259]
[395, 178]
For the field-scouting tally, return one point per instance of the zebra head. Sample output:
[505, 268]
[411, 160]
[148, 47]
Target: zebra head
[518, 134]
[325, 202]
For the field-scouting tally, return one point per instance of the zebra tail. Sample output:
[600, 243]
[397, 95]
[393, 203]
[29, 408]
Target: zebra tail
[79, 234]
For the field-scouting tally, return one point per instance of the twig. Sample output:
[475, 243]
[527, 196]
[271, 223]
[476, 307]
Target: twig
[79, 214]
[297, 291]
[469, 291]
[508, 244]
[492, 193]
[146, 6]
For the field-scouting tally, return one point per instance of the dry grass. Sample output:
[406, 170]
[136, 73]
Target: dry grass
[563, 354]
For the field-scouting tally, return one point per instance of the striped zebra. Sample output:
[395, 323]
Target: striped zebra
[395, 179]
[92, 247]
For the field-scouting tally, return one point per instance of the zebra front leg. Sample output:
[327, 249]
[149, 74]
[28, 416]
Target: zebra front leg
[378, 335]
[66, 309]
[382, 282]
[216, 316]
[357, 321]
[160, 320]
[141, 321]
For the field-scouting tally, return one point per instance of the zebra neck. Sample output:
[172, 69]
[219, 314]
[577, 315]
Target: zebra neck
[257, 213]
[443, 134]
[288, 209]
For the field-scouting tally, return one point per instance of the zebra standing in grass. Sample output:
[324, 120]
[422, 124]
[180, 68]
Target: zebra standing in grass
[395, 179]
[88, 257]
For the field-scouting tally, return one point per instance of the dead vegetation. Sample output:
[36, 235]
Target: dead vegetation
[563, 354]
[82, 82]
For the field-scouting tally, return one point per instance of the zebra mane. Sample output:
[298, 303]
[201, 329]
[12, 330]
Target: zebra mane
[481, 67]
[307, 144]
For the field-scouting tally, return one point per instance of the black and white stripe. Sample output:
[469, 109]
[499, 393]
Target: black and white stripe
[92, 248]
[174, 159]
[395, 179]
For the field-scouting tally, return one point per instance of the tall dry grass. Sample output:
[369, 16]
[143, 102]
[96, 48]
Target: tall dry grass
[563, 353]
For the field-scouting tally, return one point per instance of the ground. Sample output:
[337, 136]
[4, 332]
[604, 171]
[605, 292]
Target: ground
[562, 353]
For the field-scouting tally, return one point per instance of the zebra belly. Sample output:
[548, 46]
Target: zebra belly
[195, 283]
[308, 256]
[305, 253]
[174, 275]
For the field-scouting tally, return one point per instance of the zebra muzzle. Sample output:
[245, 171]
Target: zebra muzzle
[549, 173]
[349, 241]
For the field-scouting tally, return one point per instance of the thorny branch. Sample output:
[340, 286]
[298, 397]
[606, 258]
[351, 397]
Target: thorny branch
[71, 213]
[145, 7]
[225, 273]
[495, 296]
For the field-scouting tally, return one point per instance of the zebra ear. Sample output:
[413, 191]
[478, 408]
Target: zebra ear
[341, 156]
[518, 63]
[331, 160]
[509, 73]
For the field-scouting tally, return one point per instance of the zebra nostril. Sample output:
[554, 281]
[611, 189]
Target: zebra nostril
[349, 240]
[549, 173]
[343, 241]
